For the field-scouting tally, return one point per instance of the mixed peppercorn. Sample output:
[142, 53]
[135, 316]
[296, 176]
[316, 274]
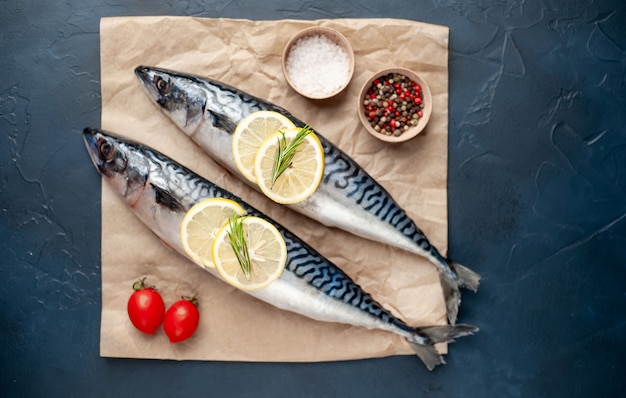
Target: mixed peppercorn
[393, 104]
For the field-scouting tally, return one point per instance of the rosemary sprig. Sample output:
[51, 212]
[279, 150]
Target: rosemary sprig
[283, 157]
[239, 245]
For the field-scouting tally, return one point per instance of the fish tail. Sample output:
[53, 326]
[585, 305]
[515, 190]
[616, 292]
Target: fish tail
[465, 277]
[455, 277]
[452, 296]
[424, 340]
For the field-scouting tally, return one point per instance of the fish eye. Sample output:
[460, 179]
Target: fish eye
[162, 85]
[105, 149]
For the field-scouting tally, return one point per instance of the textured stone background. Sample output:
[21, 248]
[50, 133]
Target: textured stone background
[537, 205]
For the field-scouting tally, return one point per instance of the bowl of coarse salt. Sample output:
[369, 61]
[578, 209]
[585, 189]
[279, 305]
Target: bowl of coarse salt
[318, 62]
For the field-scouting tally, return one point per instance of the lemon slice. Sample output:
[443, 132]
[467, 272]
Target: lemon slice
[267, 252]
[250, 134]
[201, 224]
[300, 180]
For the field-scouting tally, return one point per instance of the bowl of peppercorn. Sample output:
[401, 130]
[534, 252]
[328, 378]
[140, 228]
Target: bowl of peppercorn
[395, 104]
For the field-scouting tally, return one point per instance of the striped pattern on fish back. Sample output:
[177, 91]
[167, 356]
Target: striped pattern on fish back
[302, 260]
[317, 271]
[342, 174]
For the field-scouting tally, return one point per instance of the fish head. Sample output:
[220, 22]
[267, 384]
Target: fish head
[118, 162]
[178, 96]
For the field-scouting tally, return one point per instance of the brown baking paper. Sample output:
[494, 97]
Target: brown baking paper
[247, 54]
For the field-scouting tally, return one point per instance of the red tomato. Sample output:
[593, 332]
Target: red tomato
[181, 320]
[146, 308]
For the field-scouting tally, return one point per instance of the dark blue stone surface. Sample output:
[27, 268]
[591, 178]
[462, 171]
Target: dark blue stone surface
[537, 205]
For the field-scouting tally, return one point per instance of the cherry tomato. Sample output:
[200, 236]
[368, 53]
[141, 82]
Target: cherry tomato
[146, 308]
[181, 320]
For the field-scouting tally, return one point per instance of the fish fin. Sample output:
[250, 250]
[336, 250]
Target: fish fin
[164, 198]
[452, 296]
[466, 277]
[428, 354]
[463, 277]
[425, 338]
[221, 121]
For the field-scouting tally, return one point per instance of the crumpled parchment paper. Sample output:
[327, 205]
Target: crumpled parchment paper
[247, 55]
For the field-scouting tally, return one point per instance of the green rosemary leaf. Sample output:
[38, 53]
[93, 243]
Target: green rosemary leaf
[283, 157]
[238, 243]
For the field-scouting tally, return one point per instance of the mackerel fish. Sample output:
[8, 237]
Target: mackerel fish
[159, 191]
[348, 198]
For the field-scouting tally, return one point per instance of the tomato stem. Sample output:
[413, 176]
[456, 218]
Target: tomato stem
[141, 284]
[193, 300]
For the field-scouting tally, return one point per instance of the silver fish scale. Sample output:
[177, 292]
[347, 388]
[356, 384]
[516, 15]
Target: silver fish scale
[302, 260]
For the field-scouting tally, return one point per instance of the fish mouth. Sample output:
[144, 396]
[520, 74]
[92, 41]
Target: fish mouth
[142, 73]
[91, 142]
[145, 75]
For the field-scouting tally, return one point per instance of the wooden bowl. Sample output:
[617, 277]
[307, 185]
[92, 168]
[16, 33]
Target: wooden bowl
[306, 80]
[412, 130]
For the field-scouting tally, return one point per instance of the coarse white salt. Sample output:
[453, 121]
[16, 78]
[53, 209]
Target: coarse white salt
[317, 66]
